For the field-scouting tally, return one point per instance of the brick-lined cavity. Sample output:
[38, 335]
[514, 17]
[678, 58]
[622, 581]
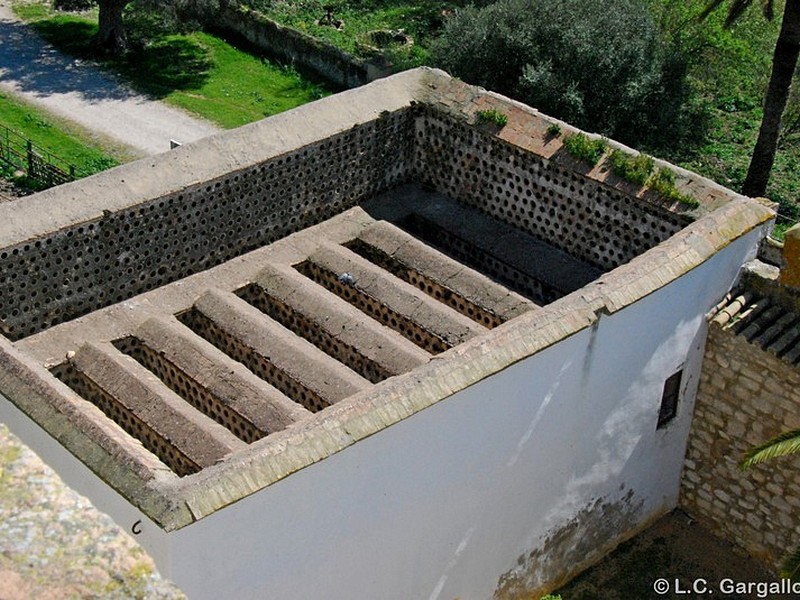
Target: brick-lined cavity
[288, 317]
[374, 308]
[130, 423]
[255, 362]
[432, 288]
[188, 389]
[76, 270]
[465, 252]
[591, 221]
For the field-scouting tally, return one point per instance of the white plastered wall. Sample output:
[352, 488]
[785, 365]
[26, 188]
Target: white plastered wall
[445, 503]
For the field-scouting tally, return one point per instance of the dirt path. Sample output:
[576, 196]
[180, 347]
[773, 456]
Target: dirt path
[74, 90]
[679, 554]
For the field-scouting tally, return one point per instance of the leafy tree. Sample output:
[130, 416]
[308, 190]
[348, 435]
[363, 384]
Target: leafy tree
[161, 15]
[111, 33]
[603, 65]
[782, 445]
[784, 64]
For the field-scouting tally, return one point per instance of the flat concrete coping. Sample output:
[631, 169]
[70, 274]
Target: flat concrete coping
[416, 380]
[218, 155]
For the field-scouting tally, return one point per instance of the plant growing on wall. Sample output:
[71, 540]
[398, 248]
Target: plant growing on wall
[663, 182]
[492, 116]
[554, 130]
[784, 444]
[635, 169]
[582, 147]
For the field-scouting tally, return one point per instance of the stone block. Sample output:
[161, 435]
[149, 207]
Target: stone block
[718, 382]
[781, 504]
[753, 520]
[722, 495]
[790, 274]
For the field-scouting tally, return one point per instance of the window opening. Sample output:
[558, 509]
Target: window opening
[669, 399]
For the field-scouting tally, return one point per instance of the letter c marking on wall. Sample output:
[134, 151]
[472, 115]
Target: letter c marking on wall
[136, 529]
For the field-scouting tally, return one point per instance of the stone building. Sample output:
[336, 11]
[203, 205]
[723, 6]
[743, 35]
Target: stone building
[374, 347]
[748, 394]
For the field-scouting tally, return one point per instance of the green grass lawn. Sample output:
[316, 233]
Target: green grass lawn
[197, 71]
[241, 88]
[67, 144]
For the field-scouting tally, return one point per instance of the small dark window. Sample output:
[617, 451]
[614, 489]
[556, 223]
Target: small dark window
[669, 399]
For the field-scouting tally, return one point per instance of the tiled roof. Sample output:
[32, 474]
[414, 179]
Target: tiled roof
[762, 319]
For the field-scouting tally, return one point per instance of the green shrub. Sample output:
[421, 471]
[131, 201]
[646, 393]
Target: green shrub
[636, 169]
[493, 116]
[602, 65]
[584, 148]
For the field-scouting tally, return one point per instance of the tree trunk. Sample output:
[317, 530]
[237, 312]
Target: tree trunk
[784, 63]
[111, 31]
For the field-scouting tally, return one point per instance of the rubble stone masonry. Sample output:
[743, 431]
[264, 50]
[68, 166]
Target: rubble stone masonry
[746, 396]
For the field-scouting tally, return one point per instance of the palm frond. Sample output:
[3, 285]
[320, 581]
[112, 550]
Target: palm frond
[787, 442]
[791, 564]
[737, 9]
[710, 8]
[768, 8]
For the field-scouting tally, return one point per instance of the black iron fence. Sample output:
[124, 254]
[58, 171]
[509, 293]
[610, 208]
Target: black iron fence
[38, 164]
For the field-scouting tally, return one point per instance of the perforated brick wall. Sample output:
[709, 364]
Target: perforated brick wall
[591, 221]
[432, 288]
[75, 271]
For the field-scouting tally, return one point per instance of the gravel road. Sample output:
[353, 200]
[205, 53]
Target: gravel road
[75, 90]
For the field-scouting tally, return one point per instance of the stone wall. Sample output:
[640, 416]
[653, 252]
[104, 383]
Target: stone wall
[746, 396]
[299, 49]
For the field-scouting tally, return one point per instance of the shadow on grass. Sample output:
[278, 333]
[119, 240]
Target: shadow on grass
[299, 72]
[171, 64]
[68, 35]
[168, 64]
